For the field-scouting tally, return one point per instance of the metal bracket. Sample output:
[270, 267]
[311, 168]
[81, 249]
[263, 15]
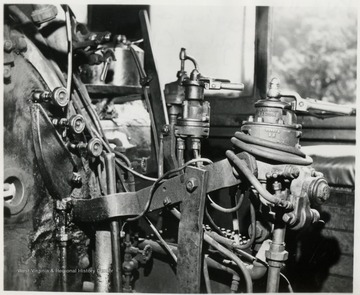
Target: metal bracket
[190, 237]
[133, 203]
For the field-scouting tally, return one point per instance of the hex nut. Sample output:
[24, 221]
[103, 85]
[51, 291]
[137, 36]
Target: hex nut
[277, 256]
[191, 184]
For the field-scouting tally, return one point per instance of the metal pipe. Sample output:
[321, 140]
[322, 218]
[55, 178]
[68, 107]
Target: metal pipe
[70, 49]
[232, 256]
[206, 276]
[218, 237]
[114, 225]
[277, 248]
[230, 244]
[103, 259]
[255, 182]
[63, 265]
[217, 265]
[272, 154]
[180, 147]
[235, 283]
[157, 248]
[196, 147]
[116, 255]
[166, 246]
[161, 156]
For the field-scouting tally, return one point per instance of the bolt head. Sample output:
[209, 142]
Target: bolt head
[192, 184]
[167, 201]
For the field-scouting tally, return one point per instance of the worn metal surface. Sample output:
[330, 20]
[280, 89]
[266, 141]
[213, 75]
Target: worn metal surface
[133, 203]
[190, 237]
[29, 239]
[54, 158]
[103, 260]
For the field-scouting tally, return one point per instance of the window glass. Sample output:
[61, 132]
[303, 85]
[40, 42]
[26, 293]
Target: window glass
[314, 52]
[221, 38]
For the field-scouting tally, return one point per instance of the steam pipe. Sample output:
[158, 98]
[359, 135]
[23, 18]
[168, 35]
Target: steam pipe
[114, 225]
[70, 49]
[276, 256]
[206, 275]
[63, 266]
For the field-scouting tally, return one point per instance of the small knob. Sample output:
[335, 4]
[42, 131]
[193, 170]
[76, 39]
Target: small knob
[60, 97]
[319, 190]
[322, 192]
[76, 124]
[95, 147]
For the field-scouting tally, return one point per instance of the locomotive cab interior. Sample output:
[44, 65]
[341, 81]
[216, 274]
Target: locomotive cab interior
[179, 149]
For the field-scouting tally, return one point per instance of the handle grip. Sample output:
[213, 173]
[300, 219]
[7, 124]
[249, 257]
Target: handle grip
[316, 105]
[233, 86]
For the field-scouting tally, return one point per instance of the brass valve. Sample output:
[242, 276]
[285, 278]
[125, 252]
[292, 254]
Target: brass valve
[58, 97]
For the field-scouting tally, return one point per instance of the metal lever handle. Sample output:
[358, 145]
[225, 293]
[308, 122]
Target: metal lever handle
[105, 69]
[217, 84]
[316, 105]
[313, 105]
[108, 57]
[233, 86]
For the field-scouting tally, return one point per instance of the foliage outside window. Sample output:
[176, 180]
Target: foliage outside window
[314, 52]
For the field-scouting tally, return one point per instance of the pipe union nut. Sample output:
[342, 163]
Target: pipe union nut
[277, 256]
